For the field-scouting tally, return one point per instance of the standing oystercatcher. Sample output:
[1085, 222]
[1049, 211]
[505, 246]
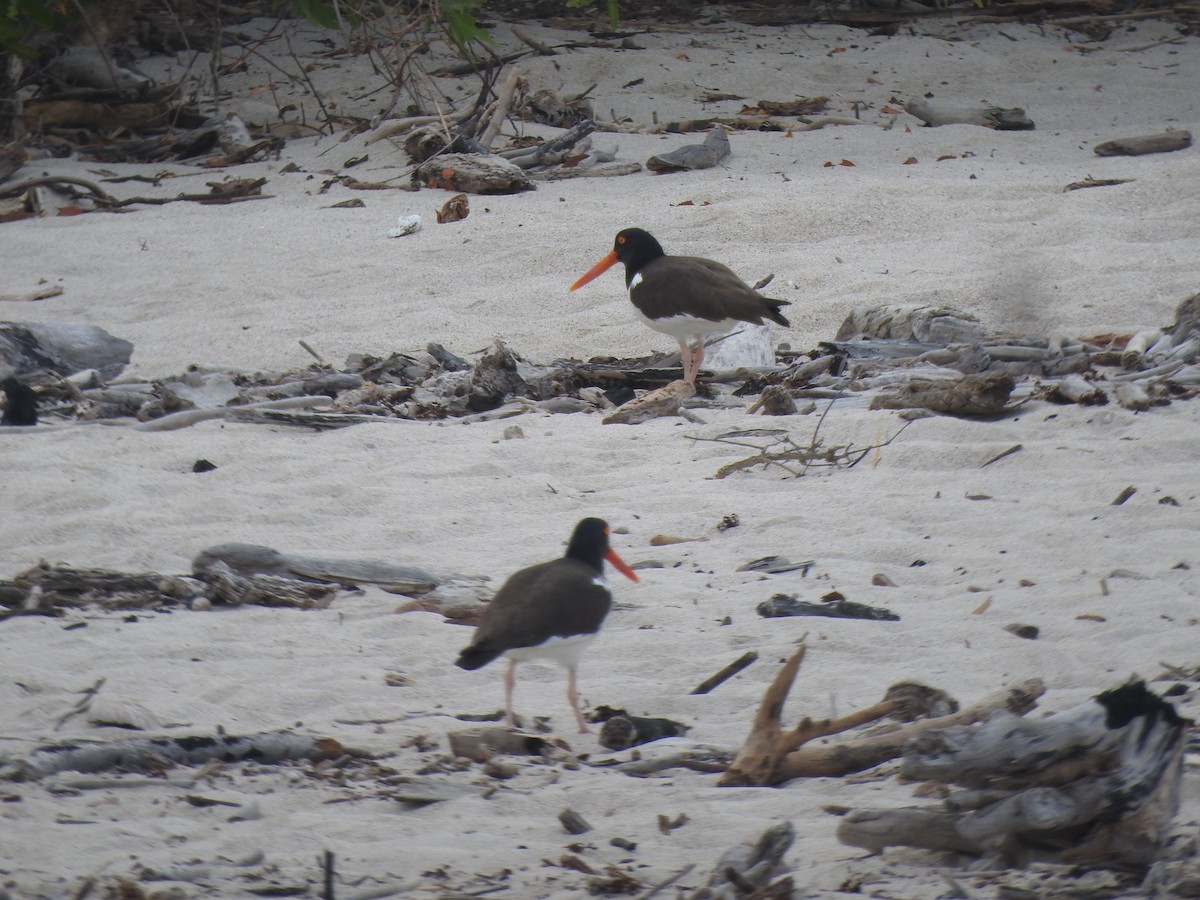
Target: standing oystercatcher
[549, 611]
[683, 296]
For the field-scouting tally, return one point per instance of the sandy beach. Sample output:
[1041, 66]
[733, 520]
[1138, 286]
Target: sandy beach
[980, 222]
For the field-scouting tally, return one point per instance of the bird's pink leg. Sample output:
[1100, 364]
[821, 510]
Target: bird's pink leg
[510, 679]
[685, 360]
[697, 357]
[573, 696]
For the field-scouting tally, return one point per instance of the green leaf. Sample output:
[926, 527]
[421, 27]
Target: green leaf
[318, 12]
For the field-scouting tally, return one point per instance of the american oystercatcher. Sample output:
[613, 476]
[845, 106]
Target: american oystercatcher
[683, 296]
[549, 611]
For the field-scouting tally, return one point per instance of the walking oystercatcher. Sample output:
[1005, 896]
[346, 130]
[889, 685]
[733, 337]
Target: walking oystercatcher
[549, 611]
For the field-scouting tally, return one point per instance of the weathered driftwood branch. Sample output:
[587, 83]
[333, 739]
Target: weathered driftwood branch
[156, 754]
[771, 756]
[1096, 784]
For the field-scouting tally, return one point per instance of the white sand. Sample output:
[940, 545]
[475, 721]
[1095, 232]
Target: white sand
[989, 231]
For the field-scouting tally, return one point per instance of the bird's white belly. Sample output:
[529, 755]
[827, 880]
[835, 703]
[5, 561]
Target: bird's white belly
[687, 326]
[562, 650]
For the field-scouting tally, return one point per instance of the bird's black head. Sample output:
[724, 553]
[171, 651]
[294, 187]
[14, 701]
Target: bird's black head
[589, 542]
[635, 248]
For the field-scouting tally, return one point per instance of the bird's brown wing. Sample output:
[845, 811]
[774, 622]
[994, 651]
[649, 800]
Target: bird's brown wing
[554, 599]
[691, 285]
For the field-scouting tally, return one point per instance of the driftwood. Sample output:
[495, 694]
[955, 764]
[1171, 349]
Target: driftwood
[61, 348]
[12, 157]
[693, 156]
[910, 322]
[727, 672]
[46, 590]
[745, 871]
[970, 395]
[910, 357]
[472, 173]
[1166, 142]
[830, 607]
[771, 756]
[481, 744]
[157, 754]
[1001, 119]
[248, 560]
[664, 401]
[1097, 784]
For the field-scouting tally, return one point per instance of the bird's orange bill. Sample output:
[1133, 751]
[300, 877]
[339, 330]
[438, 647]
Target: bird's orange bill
[595, 272]
[619, 563]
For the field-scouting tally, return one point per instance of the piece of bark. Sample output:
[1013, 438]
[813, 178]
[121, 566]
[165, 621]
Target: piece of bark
[472, 173]
[693, 156]
[156, 754]
[999, 118]
[664, 401]
[771, 756]
[1166, 142]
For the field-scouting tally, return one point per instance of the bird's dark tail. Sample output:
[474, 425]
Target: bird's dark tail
[475, 657]
[774, 314]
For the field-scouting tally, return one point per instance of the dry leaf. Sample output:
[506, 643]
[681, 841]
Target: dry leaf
[982, 607]
[454, 210]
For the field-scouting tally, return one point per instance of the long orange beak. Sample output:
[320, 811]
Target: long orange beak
[595, 272]
[619, 563]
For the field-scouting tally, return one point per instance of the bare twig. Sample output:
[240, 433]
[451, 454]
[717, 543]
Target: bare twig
[726, 673]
